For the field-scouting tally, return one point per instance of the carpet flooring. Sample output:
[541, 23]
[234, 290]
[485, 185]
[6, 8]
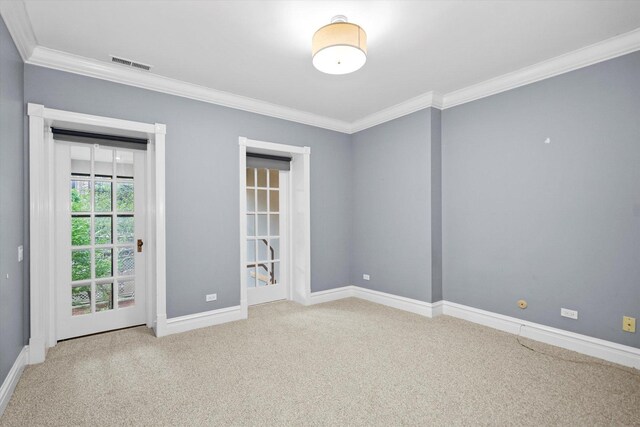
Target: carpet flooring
[348, 362]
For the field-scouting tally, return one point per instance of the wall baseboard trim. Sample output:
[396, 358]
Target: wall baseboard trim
[595, 347]
[415, 306]
[10, 382]
[584, 344]
[189, 322]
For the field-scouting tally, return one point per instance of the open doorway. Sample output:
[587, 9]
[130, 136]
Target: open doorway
[274, 223]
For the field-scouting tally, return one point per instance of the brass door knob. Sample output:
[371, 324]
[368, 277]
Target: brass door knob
[140, 243]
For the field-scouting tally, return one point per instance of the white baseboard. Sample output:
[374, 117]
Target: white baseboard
[595, 347]
[10, 382]
[422, 308]
[186, 323]
[407, 304]
[330, 295]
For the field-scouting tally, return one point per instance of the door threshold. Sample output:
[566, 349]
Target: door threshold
[102, 333]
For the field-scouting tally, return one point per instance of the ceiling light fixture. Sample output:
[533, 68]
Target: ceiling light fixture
[340, 47]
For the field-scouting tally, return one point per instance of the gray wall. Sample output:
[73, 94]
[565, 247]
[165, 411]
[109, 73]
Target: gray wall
[203, 251]
[556, 224]
[392, 203]
[12, 219]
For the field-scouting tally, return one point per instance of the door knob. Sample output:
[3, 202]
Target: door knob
[140, 243]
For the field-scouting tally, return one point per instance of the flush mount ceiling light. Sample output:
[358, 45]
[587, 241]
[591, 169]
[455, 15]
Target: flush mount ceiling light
[340, 47]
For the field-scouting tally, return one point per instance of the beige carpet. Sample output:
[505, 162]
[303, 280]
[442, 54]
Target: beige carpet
[347, 362]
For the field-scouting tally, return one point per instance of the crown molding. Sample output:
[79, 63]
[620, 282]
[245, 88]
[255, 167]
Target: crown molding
[607, 49]
[429, 99]
[63, 61]
[17, 21]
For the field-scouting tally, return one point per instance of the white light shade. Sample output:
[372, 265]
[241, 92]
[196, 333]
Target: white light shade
[339, 48]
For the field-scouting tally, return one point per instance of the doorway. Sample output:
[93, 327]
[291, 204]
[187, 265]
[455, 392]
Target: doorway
[100, 233]
[293, 193]
[267, 237]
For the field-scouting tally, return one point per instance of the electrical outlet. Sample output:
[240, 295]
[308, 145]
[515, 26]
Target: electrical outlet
[365, 277]
[20, 253]
[629, 324]
[212, 297]
[571, 314]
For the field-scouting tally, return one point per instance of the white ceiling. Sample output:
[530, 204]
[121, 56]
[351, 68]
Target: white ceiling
[261, 49]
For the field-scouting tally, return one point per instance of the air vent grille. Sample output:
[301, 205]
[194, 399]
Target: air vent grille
[129, 63]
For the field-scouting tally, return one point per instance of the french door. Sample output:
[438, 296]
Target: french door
[100, 225]
[267, 249]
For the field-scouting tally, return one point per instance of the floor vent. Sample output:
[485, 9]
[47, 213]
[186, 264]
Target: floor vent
[129, 63]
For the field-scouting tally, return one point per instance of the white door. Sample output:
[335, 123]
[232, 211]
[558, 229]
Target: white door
[100, 224]
[267, 219]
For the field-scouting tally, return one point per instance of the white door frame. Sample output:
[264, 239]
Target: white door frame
[42, 218]
[299, 232]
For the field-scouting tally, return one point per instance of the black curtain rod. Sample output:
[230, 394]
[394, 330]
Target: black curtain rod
[269, 156]
[76, 133]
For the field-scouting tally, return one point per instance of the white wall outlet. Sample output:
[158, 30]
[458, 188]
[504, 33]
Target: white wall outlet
[20, 253]
[366, 277]
[571, 314]
[212, 297]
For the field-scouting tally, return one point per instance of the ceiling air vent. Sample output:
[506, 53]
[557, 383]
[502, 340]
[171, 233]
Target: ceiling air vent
[129, 63]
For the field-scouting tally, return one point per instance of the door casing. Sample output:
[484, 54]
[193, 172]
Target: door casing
[42, 298]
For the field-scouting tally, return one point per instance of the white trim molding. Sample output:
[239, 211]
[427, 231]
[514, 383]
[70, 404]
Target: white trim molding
[19, 25]
[420, 102]
[10, 382]
[17, 20]
[602, 349]
[595, 347]
[76, 64]
[189, 322]
[422, 308]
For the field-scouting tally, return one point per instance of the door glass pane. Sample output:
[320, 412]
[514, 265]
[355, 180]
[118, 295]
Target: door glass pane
[251, 250]
[125, 228]
[104, 296]
[251, 225]
[251, 201]
[274, 178]
[104, 263]
[80, 230]
[124, 164]
[262, 177]
[251, 173]
[263, 275]
[251, 276]
[262, 200]
[274, 225]
[81, 265]
[80, 300]
[103, 162]
[274, 248]
[126, 293]
[276, 272]
[103, 230]
[80, 196]
[262, 250]
[274, 201]
[262, 225]
[124, 200]
[103, 196]
[126, 262]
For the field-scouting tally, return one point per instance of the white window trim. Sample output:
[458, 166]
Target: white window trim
[41, 222]
[299, 290]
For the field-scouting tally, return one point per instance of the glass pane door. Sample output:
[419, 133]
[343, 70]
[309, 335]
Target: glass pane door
[264, 234]
[102, 222]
